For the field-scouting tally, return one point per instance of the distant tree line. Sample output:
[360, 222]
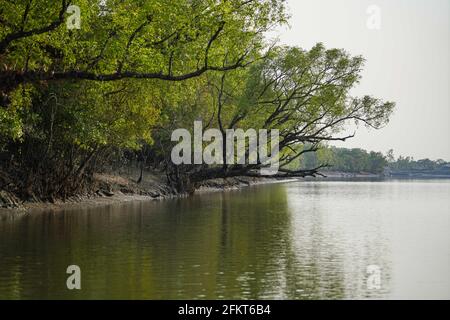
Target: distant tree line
[357, 160]
[409, 164]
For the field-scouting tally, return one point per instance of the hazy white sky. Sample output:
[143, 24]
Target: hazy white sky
[407, 62]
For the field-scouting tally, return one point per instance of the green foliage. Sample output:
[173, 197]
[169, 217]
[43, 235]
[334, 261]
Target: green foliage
[357, 160]
[139, 37]
[409, 164]
[90, 114]
[155, 39]
[345, 160]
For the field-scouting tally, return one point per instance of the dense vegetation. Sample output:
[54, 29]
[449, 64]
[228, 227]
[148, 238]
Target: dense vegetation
[408, 164]
[347, 160]
[73, 100]
[357, 160]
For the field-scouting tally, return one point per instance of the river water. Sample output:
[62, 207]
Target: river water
[297, 240]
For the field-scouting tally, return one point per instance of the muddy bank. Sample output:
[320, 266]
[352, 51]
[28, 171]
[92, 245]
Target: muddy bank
[122, 187]
[114, 188]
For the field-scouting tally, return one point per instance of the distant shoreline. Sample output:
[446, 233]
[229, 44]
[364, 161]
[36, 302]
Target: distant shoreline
[392, 175]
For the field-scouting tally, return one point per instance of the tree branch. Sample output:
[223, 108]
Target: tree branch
[6, 41]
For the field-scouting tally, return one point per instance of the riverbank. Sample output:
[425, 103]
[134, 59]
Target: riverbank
[122, 187]
[341, 174]
[118, 188]
[389, 175]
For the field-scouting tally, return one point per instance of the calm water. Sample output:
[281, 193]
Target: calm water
[298, 240]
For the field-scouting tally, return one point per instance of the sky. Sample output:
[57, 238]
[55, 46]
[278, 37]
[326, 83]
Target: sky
[406, 47]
